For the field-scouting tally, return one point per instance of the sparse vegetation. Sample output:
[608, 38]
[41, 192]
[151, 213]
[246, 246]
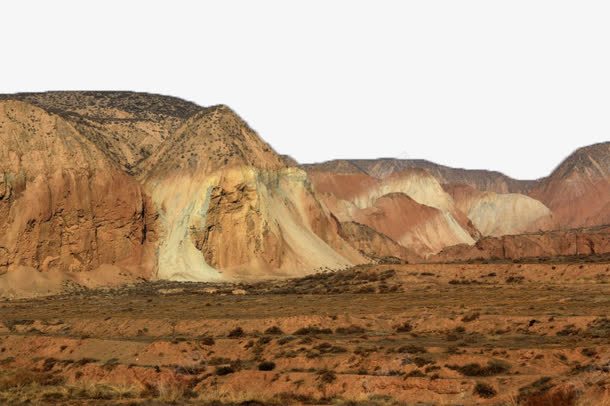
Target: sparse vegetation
[275, 330]
[224, 370]
[493, 367]
[311, 330]
[473, 335]
[350, 330]
[266, 366]
[404, 327]
[237, 332]
[484, 390]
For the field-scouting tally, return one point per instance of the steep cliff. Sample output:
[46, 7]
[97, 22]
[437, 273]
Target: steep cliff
[64, 206]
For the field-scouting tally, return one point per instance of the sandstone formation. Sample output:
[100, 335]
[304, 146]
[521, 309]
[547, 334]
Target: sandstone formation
[410, 207]
[153, 187]
[576, 194]
[578, 191]
[63, 205]
[375, 245]
[229, 204]
[462, 213]
[424, 229]
[576, 242]
[109, 187]
[496, 214]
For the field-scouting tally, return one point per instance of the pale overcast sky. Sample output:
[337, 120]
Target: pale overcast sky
[512, 85]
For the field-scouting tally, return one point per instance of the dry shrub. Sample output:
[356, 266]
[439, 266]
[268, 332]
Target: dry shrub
[484, 390]
[20, 378]
[562, 397]
[312, 330]
[470, 317]
[494, 367]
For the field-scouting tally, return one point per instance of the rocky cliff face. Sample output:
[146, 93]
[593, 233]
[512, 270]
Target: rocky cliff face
[578, 191]
[155, 187]
[410, 207]
[375, 245]
[244, 222]
[101, 187]
[231, 207]
[63, 205]
[575, 242]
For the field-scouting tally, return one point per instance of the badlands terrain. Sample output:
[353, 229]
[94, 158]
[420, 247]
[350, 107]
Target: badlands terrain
[154, 251]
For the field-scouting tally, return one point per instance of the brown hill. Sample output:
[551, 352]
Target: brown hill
[383, 167]
[476, 212]
[375, 245]
[64, 206]
[125, 185]
[126, 126]
[421, 228]
[424, 218]
[578, 190]
[91, 179]
[570, 243]
[212, 139]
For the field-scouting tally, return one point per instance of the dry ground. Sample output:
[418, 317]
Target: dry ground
[461, 334]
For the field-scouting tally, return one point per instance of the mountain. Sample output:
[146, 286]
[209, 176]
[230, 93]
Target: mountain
[231, 206]
[578, 190]
[496, 214]
[452, 213]
[149, 186]
[383, 167]
[483, 203]
[410, 207]
[105, 188]
[126, 126]
[64, 206]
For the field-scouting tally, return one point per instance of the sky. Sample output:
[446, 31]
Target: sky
[513, 86]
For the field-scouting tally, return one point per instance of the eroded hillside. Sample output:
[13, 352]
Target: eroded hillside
[101, 188]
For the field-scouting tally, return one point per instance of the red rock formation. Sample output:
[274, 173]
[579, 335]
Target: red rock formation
[153, 186]
[578, 191]
[573, 242]
[374, 244]
[422, 228]
[63, 205]
[410, 207]
[151, 183]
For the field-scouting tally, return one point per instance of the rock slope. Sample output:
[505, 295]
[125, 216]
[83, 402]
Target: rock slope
[153, 187]
[572, 243]
[64, 206]
[496, 214]
[109, 187]
[383, 167]
[410, 207]
[578, 190]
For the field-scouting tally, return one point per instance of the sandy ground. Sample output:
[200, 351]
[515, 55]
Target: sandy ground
[497, 334]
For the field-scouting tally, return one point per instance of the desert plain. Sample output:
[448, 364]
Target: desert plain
[474, 333]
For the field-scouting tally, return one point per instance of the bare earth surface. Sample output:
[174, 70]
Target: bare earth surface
[460, 334]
